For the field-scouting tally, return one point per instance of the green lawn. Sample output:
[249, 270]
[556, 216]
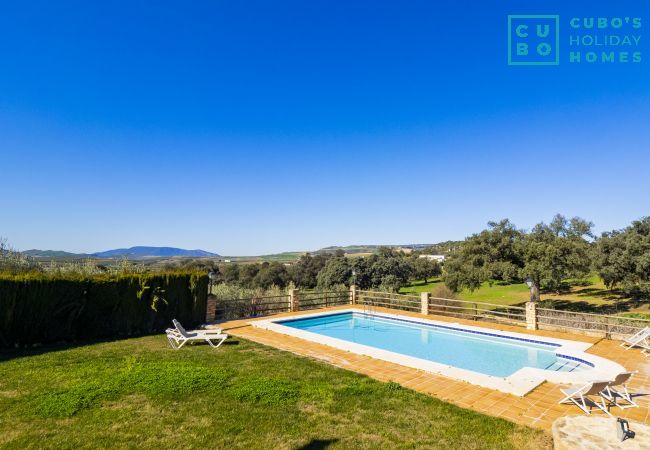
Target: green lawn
[140, 393]
[589, 295]
[498, 294]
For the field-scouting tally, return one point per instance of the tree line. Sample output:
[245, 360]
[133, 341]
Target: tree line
[387, 269]
[546, 256]
[549, 254]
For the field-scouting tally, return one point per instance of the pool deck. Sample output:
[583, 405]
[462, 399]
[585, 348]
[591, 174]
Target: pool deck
[537, 409]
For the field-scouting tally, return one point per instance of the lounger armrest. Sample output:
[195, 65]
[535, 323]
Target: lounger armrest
[173, 332]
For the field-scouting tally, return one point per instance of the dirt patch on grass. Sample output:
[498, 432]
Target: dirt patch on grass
[9, 394]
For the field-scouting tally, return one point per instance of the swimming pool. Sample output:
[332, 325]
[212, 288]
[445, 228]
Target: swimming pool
[510, 362]
[488, 354]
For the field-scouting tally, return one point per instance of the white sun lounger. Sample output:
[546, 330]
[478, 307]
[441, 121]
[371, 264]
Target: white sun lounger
[612, 394]
[638, 339]
[579, 395]
[178, 336]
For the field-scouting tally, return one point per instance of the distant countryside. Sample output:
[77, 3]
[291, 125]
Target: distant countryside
[82, 349]
[321, 225]
[565, 264]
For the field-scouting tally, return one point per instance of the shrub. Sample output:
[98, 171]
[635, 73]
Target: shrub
[443, 291]
[13, 261]
[235, 301]
[44, 308]
[443, 302]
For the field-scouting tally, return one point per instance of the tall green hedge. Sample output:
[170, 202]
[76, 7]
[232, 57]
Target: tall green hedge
[40, 308]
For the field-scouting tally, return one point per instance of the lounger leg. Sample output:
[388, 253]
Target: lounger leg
[603, 407]
[580, 404]
[213, 345]
[628, 397]
[625, 395]
[609, 395]
[173, 342]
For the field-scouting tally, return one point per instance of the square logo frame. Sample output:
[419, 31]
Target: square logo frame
[557, 40]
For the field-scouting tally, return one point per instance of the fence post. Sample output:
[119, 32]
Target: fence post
[531, 316]
[424, 303]
[211, 308]
[294, 300]
[353, 294]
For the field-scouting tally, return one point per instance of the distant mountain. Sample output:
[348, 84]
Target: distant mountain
[143, 252]
[52, 254]
[371, 248]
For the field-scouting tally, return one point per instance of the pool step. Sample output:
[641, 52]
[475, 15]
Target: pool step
[564, 365]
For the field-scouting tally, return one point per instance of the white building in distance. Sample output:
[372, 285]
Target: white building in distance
[439, 258]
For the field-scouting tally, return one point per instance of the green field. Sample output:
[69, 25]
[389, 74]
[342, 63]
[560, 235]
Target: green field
[502, 295]
[589, 295]
[138, 393]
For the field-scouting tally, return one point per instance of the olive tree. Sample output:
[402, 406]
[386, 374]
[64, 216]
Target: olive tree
[554, 252]
[547, 255]
[623, 258]
[488, 256]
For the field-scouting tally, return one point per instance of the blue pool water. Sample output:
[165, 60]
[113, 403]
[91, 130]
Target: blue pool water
[491, 355]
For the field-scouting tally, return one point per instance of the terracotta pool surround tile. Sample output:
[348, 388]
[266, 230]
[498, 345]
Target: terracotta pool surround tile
[538, 409]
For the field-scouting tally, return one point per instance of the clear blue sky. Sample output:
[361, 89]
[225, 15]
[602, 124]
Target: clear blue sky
[247, 127]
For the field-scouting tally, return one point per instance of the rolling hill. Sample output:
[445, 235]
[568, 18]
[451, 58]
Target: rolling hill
[53, 254]
[160, 252]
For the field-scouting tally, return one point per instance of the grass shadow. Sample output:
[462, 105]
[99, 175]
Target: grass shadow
[7, 354]
[619, 306]
[317, 444]
[423, 282]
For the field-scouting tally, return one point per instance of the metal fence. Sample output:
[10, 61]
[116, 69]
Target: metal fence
[612, 327]
[322, 299]
[402, 302]
[239, 308]
[462, 309]
[486, 312]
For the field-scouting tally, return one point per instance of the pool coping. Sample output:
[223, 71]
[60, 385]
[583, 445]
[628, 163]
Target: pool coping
[519, 383]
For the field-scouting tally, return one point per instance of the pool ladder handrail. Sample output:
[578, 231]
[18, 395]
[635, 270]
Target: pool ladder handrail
[367, 312]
